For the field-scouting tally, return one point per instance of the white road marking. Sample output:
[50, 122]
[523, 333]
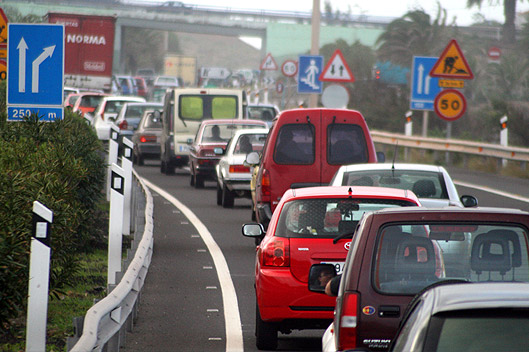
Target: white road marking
[494, 191]
[232, 318]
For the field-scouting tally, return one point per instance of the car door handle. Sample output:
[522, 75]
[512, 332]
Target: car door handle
[389, 311]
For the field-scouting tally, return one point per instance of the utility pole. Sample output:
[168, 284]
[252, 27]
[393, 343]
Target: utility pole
[315, 43]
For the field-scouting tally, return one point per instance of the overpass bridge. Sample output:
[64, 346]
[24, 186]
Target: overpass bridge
[269, 26]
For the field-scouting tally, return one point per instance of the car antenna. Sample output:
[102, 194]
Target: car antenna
[394, 157]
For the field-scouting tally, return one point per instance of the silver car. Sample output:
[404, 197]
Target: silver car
[146, 138]
[432, 184]
[233, 175]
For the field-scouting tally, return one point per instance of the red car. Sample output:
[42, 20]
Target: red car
[213, 134]
[310, 225]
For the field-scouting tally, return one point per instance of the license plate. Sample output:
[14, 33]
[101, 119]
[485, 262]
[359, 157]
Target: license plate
[338, 266]
[183, 148]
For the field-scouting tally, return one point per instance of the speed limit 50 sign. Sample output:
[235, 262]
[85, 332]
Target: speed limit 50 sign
[450, 104]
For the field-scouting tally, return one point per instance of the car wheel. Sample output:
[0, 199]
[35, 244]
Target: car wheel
[140, 160]
[199, 181]
[265, 333]
[162, 167]
[169, 168]
[219, 194]
[192, 180]
[227, 197]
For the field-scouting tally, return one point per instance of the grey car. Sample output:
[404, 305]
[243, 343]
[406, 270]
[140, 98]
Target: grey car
[146, 138]
[487, 316]
[130, 115]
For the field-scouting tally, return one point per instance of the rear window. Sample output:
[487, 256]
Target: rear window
[199, 107]
[346, 144]
[424, 184]
[264, 113]
[295, 144]
[248, 143]
[328, 218]
[90, 101]
[223, 133]
[410, 257]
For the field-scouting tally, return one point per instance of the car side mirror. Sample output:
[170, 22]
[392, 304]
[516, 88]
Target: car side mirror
[218, 151]
[252, 158]
[319, 276]
[253, 230]
[469, 201]
[381, 157]
[189, 141]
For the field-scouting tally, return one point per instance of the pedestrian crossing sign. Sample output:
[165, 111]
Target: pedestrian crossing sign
[337, 69]
[269, 63]
[452, 63]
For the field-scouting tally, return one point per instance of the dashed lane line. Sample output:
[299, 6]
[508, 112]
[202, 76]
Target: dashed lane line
[232, 318]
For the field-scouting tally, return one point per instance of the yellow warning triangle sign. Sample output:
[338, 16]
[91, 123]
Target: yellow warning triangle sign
[268, 63]
[452, 63]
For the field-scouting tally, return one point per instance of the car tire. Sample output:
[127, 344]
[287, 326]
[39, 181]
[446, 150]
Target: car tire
[219, 194]
[265, 333]
[199, 181]
[140, 160]
[192, 180]
[227, 197]
[169, 168]
[162, 167]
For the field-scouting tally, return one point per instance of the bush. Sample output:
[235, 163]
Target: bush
[60, 165]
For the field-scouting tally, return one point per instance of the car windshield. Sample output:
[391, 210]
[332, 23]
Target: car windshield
[411, 256]
[248, 143]
[264, 113]
[201, 107]
[327, 218]
[223, 133]
[424, 184]
[464, 331]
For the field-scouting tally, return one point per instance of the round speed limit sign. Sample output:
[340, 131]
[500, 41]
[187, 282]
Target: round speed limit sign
[450, 104]
[289, 68]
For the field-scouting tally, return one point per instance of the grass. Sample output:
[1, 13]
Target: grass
[73, 302]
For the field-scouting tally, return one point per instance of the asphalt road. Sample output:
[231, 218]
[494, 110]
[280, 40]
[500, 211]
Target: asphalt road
[182, 307]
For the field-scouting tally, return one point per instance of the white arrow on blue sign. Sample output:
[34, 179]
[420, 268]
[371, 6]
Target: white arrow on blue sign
[310, 67]
[424, 88]
[35, 71]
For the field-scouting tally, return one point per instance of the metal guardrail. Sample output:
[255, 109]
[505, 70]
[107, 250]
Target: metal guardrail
[452, 146]
[106, 323]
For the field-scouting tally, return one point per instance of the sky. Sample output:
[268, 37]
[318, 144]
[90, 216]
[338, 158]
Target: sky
[389, 8]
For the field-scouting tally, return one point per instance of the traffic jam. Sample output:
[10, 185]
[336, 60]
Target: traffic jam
[354, 242]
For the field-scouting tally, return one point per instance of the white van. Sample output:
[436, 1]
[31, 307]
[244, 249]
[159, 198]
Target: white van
[184, 110]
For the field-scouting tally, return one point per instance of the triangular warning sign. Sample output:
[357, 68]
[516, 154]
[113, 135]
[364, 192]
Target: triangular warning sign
[336, 69]
[269, 63]
[452, 63]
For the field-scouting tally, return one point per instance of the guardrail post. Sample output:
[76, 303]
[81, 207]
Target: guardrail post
[408, 130]
[115, 223]
[113, 148]
[504, 136]
[39, 275]
[126, 165]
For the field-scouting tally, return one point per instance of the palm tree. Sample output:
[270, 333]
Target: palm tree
[509, 11]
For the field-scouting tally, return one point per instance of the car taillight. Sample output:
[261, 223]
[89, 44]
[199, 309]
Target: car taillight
[265, 183]
[123, 125]
[277, 252]
[147, 138]
[346, 331]
[239, 168]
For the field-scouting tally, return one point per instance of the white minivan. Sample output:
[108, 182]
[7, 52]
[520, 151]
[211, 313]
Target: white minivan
[184, 110]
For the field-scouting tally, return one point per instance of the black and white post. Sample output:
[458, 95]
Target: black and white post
[113, 149]
[126, 165]
[39, 274]
[115, 223]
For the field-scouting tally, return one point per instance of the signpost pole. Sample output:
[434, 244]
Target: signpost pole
[425, 123]
[315, 43]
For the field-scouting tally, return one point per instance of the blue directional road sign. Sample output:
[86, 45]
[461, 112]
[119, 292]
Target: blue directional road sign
[424, 88]
[35, 70]
[309, 70]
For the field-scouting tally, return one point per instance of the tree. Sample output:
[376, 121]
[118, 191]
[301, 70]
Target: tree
[509, 11]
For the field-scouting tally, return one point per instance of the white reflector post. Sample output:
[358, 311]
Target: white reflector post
[39, 274]
[126, 165]
[115, 223]
[113, 149]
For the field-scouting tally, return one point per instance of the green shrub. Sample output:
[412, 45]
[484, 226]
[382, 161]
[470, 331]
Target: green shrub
[59, 164]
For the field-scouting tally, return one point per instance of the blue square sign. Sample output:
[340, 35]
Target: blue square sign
[309, 70]
[35, 70]
[424, 88]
